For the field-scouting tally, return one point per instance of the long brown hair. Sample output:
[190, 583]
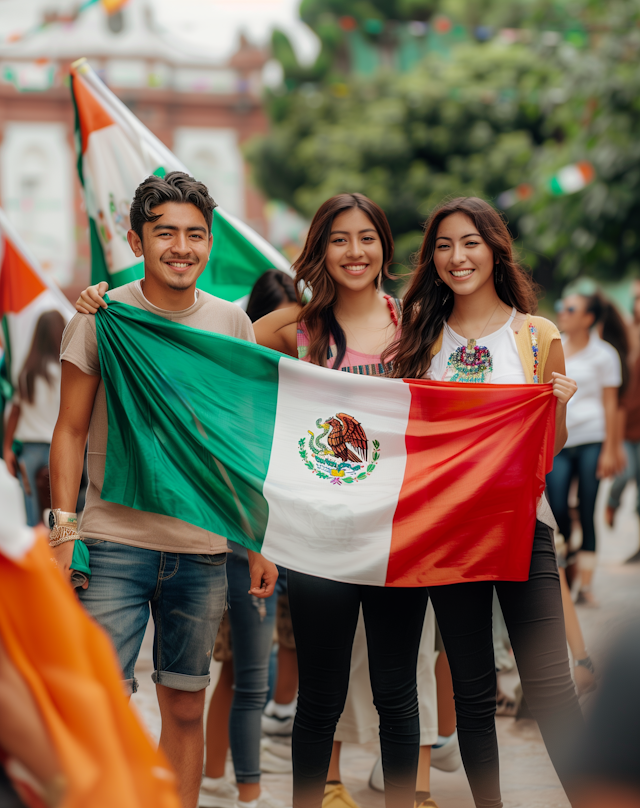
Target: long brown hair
[317, 313]
[614, 331]
[45, 349]
[427, 305]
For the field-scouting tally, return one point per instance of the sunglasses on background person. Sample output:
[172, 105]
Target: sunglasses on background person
[560, 307]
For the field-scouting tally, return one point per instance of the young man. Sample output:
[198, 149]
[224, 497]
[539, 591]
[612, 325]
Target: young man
[138, 559]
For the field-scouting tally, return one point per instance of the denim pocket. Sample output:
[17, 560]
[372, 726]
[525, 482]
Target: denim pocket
[92, 542]
[215, 560]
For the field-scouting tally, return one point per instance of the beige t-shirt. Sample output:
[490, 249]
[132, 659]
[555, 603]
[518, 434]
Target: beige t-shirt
[118, 523]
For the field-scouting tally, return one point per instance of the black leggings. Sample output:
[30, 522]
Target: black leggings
[533, 613]
[324, 616]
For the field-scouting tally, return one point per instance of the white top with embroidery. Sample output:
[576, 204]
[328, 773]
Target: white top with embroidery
[506, 368]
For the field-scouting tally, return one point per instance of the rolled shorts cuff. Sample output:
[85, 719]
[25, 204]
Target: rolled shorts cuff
[181, 681]
[130, 686]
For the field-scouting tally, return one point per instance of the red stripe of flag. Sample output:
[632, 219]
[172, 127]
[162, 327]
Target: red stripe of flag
[481, 509]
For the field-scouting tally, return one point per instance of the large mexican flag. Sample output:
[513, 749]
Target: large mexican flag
[115, 153]
[25, 294]
[353, 478]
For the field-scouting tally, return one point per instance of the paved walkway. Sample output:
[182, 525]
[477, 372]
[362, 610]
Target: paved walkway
[528, 778]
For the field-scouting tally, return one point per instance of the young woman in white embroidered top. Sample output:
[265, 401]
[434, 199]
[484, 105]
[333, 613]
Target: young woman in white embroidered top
[463, 320]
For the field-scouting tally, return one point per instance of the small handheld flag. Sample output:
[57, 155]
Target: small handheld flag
[25, 294]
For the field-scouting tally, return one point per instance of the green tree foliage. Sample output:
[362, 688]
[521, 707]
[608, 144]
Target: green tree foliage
[478, 119]
[595, 231]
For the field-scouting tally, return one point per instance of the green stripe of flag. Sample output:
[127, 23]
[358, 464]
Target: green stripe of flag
[208, 469]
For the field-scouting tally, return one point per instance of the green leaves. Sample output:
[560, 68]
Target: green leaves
[484, 118]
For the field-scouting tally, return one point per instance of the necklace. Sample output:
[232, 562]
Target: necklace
[471, 362]
[471, 343]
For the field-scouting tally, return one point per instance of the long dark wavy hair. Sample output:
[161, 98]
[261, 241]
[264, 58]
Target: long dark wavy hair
[614, 331]
[45, 349]
[272, 288]
[427, 305]
[317, 313]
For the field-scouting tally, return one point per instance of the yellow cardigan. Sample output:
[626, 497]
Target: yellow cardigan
[533, 342]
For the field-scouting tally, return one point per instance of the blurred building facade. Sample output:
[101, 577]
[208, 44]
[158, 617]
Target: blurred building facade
[200, 108]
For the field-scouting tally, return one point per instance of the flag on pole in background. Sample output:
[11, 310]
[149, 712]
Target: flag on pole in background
[25, 294]
[115, 153]
[350, 477]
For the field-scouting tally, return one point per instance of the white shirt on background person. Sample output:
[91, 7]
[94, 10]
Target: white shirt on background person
[593, 368]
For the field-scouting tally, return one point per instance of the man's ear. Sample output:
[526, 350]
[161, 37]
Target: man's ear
[135, 242]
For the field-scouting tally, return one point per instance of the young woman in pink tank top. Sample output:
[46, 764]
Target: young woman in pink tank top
[346, 324]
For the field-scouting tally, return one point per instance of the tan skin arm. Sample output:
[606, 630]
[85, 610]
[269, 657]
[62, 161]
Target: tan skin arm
[278, 329]
[609, 458]
[10, 431]
[66, 460]
[563, 388]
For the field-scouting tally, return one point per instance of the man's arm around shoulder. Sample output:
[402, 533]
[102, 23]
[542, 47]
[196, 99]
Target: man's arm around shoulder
[77, 394]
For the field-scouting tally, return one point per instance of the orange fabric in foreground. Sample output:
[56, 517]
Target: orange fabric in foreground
[72, 671]
[19, 284]
[91, 114]
[481, 480]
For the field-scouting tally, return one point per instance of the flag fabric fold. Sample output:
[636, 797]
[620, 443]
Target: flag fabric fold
[25, 294]
[72, 673]
[353, 478]
[116, 152]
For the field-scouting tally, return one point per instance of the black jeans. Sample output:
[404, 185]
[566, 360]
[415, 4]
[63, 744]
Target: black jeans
[324, 616]
[533, 613]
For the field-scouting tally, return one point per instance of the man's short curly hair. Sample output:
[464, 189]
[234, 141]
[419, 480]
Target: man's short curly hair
[176, 186]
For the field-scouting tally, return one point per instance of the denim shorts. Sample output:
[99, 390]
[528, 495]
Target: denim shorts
[186, 594]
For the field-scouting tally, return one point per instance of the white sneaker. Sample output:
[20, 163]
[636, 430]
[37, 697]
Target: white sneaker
[376, 780]
[446, 755]
[217, 792]
[275, 755]
[277, 719]
[265, 800]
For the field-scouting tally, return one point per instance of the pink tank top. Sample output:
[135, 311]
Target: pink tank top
[353, 361]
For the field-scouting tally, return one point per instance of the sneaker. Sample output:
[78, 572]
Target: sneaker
[376, 780]
[217, 793]
[277, 719]
[585, 598]
[445, 755]
[275, 756]
[265, 800]
[337, 796]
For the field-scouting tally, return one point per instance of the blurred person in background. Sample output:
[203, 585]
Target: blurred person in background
[274, 290]
[34, 411]
[468, 279]
[594, 449]
[630, 428]
[606, 768]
